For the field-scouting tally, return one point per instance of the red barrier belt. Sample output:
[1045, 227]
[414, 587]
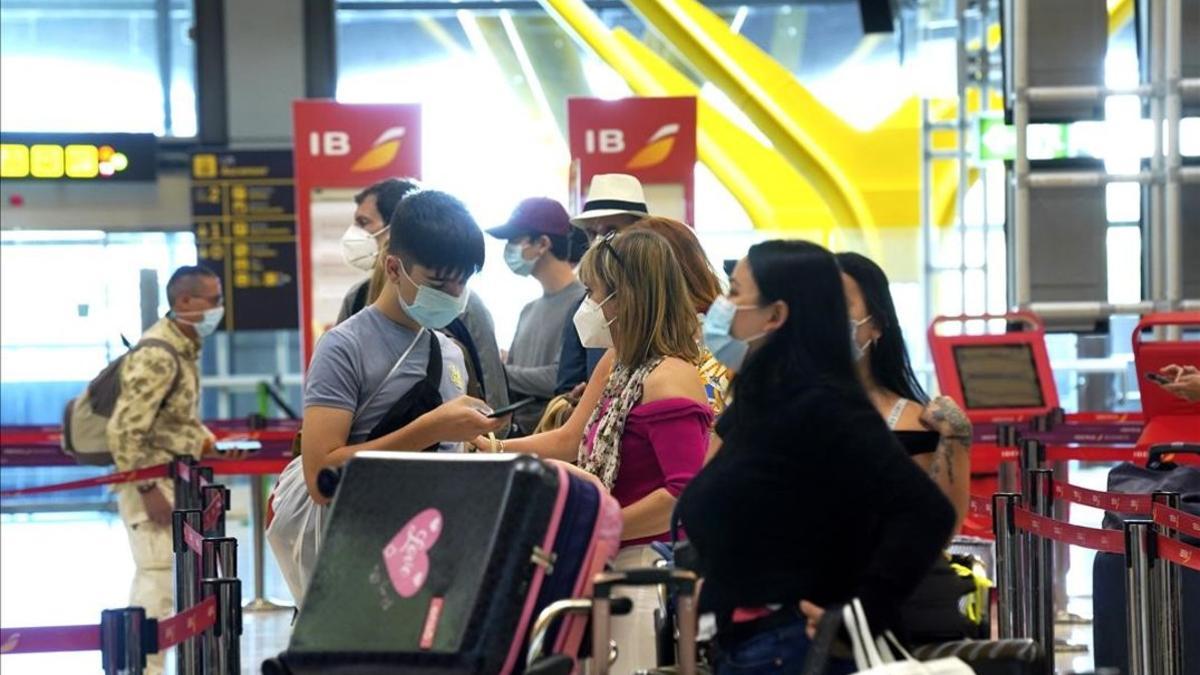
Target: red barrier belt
[49, 639]
[148, 473]
[187, 624]
[1179, 553]
[1112, 501]
[1087, 537]
[1175, 519]
[220, 467]
[212, 512]
[193, 538]
[247, 467]
[981, 506]
[171, 632]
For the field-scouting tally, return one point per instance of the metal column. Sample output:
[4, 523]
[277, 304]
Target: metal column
[1010, 581]
[1139, 559]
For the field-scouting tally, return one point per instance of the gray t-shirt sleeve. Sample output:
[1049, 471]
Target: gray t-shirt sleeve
[333, 379]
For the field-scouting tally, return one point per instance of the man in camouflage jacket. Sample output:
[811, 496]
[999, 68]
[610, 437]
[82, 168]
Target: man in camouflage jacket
[156, 419]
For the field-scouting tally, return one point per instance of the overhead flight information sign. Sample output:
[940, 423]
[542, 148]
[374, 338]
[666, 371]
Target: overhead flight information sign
[79, 157]
[243, 214]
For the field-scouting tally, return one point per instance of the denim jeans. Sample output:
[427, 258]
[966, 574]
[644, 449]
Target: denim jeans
[775, 652]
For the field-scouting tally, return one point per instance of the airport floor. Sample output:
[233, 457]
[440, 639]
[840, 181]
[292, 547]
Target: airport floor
[64, 568]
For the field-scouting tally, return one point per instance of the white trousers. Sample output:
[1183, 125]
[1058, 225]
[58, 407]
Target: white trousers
[634, 632]
[153, 586]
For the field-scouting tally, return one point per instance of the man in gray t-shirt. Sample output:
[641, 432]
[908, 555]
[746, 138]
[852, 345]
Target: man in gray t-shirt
[366, 363]
[541, 244]
[353, 379]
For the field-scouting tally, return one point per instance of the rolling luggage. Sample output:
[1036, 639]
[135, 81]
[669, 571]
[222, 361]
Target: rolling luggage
[437, 563]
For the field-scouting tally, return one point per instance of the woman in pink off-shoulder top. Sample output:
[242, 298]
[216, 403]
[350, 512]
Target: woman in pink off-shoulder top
[649, 426]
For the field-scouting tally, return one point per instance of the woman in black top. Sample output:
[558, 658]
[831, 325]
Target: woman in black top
[811, 498]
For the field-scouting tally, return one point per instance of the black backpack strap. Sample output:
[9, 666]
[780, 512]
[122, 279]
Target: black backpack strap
[433, 369]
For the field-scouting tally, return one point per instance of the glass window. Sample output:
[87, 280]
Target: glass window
[96, 66]
[88, 296]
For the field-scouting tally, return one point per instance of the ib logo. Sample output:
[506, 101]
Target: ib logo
[612, 142]
[337, 144]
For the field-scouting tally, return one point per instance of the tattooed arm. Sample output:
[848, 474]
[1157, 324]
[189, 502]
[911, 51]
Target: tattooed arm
[950, 465]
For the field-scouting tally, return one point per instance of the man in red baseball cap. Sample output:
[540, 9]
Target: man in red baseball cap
[542, 244]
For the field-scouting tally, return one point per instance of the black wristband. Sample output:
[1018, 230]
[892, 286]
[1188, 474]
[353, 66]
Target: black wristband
[145, 488]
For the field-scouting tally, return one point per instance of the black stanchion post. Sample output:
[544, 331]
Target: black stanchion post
[187, 588]
[1139, 560]
[184, 496]
[209, 494]
[224, 638]
[1040, 598]
[1009, 478]
[122, 640]
[1032, 455]
[1008, 566]
[1168, 600]
[201, 476]
[218, 558]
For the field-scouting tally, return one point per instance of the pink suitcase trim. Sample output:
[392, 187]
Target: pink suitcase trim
[606, 541]
[539, 573]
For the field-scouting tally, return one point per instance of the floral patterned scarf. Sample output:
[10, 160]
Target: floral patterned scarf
[623, 391]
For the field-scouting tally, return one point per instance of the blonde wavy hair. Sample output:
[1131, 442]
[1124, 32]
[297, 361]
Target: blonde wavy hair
[654, 313]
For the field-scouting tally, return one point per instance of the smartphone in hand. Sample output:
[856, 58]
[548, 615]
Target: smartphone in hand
[511, 408]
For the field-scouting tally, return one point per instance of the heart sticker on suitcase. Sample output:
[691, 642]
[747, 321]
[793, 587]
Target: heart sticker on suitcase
[407, 555]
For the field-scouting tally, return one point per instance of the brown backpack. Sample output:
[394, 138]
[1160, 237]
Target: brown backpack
[85, 417]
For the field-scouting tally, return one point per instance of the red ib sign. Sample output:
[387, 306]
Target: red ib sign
[351, 145]
[653, 139]
[344, 146]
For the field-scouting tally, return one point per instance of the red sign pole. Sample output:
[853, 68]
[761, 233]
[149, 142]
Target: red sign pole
[652, 139]
[349, 146]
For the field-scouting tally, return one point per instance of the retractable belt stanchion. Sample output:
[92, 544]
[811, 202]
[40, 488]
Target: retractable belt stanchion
[1062, 511]
[215, 500]
[1031, 455]
[1009, 474]
[181, 471]
[1041, 566]
[187, 587]
[1009, 580]
[1168, 601]
[223, 640]
[1139, 561]
[123, 640]
[218, 558]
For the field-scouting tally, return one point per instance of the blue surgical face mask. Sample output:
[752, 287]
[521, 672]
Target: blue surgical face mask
[432, 308]
[859, 352]
[514, 257]
[718, 323]
[210, 319]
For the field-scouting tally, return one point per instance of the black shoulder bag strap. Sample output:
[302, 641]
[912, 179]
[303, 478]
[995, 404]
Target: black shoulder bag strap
[422, 397]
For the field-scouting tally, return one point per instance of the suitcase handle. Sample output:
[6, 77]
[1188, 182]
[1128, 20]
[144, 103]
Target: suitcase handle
[684, 582]
[555, 611]
[1160, 454]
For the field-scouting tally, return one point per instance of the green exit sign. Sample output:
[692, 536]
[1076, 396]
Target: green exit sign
[998, 141]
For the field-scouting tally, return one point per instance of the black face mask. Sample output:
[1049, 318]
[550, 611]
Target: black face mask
[423, 397]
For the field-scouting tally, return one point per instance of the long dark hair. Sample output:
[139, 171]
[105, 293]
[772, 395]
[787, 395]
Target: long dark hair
[889, 361]
[813, 346]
